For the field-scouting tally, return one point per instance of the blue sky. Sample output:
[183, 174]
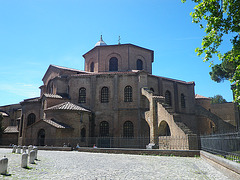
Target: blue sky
[37, 33]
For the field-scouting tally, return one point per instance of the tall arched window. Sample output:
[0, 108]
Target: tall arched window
[183, 104]
[113, 64]
[104, 95]
[128, 130]
[92, 67]
[31, 119]
[82, 95]
[128, 94]
[168, 98]
[83, 134]
[104, 129]
[139, 64]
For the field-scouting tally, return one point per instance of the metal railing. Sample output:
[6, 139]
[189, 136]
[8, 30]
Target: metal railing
[164, 142]
[226, 145]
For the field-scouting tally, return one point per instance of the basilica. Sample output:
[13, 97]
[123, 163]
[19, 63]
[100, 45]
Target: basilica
[115, 102]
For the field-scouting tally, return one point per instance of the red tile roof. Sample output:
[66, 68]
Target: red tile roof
[56, 124]
[11, 129]
[197, 96]
[68, 106]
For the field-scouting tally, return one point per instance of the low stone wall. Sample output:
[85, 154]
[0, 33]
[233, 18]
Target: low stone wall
[182, 153]
[51, 148]
[229, 168]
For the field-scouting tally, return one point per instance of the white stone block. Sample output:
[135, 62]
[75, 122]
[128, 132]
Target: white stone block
[36, 150]
[3, 165]
[19, 148]
[14, 149]
[32, 157]
[24, 160]
[24, 149]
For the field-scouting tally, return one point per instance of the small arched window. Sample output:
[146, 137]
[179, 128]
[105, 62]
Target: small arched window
[183, 104]
[113, 64]
[82, 95]
[92, 67]
[139, 64]
[104, 95]
[168, 98]
[128, 130]
[104, 129]
[31, 119]
[128, 94]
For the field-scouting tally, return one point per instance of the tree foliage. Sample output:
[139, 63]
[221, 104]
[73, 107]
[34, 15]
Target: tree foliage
[217, 99]
[220, 18]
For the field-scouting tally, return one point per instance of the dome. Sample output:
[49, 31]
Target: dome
[101, 42]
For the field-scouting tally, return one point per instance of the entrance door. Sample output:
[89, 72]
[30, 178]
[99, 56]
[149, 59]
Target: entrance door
[41, 137]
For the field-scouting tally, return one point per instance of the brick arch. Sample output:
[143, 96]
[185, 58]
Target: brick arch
[164, 129]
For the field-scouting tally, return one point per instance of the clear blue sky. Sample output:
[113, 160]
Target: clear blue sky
[37, 33]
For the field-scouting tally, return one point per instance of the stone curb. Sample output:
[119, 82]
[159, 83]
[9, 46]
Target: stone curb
[46, 148]
[228, 167]
[181, 153]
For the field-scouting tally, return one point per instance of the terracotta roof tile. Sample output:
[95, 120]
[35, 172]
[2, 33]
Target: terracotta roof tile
[56, 124]
[4, 114]
[69, 69]
[68, 106]
[56, 96]
[36, 99]
[197, 96]
[11, 129]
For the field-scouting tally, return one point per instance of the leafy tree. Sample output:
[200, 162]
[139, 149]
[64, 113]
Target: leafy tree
[220, 18]
[217, 99]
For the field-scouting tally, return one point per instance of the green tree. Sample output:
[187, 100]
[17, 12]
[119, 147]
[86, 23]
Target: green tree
[217, 99]
[220, 18]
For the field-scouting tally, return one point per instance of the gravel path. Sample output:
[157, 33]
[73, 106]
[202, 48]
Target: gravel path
[82, 165]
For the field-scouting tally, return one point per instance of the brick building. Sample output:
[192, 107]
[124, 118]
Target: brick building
[116, 100]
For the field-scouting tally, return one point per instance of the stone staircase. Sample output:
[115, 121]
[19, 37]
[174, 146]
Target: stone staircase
[184, 128]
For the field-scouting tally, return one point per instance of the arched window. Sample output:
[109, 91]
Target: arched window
[128, 94]
[113, 64]
[183, 104]
[168, 98]
[139, 64]
[104, 95]
[83, 134]
[92, 67]
[82, 95]
[51, 88]
[68, 89]
[104, 129]
[31, 119]
[128, 130]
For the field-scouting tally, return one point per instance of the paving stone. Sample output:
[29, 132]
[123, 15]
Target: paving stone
[89, 166]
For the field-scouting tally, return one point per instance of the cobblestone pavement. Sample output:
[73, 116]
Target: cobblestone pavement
[81, 165]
